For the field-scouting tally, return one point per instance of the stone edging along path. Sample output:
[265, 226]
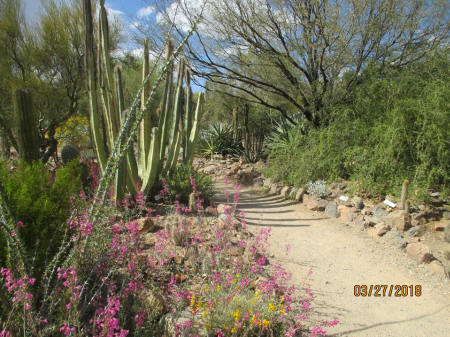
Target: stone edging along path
[423, 234]
[394, 226]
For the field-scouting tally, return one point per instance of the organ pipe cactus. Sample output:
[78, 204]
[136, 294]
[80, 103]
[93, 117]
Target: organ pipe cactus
[26, 126]
[158, 147]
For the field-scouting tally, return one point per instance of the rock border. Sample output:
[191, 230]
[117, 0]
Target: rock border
[401, 228]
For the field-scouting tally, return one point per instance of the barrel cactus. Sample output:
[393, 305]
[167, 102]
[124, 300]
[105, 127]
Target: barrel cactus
[69, 153]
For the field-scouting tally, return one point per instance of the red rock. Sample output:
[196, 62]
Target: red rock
[436, 268]
[381, 229]
[419, 252]
[348, 214]
[441, 225]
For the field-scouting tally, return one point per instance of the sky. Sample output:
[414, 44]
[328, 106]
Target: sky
[128, 11]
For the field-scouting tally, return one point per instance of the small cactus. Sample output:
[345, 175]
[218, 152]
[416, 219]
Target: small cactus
[69, 153]
[192, 203]
[404, 195]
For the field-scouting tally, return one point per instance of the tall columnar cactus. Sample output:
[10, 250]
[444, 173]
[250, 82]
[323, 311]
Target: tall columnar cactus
[158, 147]
[26, 126]
[146, 124]
[193, 134]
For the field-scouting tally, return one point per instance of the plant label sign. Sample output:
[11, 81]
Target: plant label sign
[389, 203]
[343, 198]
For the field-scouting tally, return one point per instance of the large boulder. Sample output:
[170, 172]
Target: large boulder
[275, 188]
[314, 203]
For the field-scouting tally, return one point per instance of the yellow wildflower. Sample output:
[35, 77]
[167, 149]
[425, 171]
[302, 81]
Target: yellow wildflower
[257, 293]
[233, 330]
[265, 323]
[272, 307]
[238, 275]
[204, 313]
[236, 315]
[282, 299]
[282, 312]
[206, 289]
[218, 287]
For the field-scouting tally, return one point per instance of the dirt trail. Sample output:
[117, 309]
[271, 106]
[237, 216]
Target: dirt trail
[341, 257]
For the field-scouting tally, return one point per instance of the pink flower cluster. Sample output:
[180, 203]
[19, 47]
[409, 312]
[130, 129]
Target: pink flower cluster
[18, 287]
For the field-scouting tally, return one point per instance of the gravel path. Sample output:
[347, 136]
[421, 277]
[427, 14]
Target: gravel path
[340, 257]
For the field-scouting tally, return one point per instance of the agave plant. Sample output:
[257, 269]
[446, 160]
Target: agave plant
[219, 139]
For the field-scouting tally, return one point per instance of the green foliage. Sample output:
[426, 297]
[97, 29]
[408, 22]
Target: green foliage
[219, 140]
[180, 187]
[42, 201]
[396, 128]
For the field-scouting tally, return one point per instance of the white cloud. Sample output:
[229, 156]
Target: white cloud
[113, 12]
[145, 11]
[134, 25]
[137, 52]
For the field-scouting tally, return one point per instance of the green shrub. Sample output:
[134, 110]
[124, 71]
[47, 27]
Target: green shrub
[41, 200]
[396, 128]
[179, 184]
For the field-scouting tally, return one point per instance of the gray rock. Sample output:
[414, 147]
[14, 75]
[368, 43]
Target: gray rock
[331, 210]
[357, 202]
[379, 211]
[446, 215]
[395, 238]
[209, 169]
[267, 182]
[373, 220]
[447, 233]
[258, 181]
[414, 231]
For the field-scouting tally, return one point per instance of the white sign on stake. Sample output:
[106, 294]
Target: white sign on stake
[389, 203]
[343, 198]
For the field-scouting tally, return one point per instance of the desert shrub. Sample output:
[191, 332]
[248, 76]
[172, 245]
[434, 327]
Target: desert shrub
[394, 129]
[41, 199]
[178, 185]
[317, 188]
